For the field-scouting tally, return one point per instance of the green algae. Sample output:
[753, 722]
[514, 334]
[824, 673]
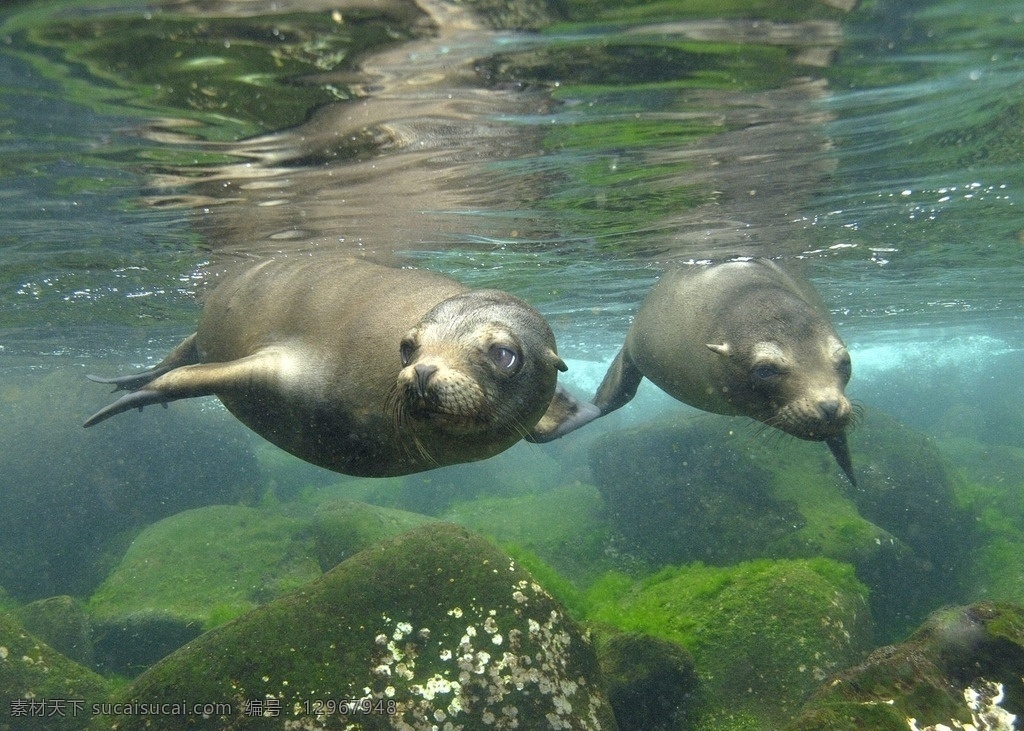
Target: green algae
[564, 526]
[342, 528]
[651, 682]
[925, 676]
[191, 572]
[762, 633]
[226, 556]
[434, 626]
[32, 670]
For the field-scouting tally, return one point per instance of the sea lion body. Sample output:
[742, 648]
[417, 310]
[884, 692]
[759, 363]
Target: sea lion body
[741, 337]
[365, 369]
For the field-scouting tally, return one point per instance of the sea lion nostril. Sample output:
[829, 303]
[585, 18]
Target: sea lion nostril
[829, 409]
[423, 373]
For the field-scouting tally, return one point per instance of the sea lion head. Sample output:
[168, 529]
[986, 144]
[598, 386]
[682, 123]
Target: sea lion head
[793, 377]
[480, 363]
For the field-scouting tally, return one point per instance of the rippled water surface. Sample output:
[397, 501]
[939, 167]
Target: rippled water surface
[568, 159]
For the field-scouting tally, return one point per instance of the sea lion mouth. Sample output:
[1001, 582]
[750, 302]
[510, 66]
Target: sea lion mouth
[817, 422]
[456, 407]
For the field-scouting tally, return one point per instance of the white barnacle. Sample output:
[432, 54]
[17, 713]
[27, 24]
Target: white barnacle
[497, 639]
[562, 705]
[3, 653]
[446, 654]
[401, 630]
[519, 596]
[455, 612]
[381, 639]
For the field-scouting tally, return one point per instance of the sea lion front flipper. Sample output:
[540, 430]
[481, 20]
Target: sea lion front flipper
[188, 381]
[565, 413]
[619, 385]
[841, 451]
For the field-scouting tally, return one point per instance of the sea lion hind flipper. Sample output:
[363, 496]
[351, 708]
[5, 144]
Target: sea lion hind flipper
[201, 379]
[134, 400]
[565, 414]
[185, 353]
[841, 451]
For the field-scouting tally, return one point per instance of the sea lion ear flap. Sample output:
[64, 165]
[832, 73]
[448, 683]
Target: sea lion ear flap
[565, 413]
[720, 348]
[553, 358]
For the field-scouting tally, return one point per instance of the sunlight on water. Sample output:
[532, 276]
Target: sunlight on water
[568, 155]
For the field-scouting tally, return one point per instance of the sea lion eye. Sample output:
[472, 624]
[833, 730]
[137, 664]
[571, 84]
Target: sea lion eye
[405, 352]
[764, 372]
[505, 358]
[844, 366]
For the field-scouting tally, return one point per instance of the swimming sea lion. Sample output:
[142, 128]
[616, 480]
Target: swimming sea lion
[365, 369]
[740, 337]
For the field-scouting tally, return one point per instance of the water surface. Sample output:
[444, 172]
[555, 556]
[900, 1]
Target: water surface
[145, 146]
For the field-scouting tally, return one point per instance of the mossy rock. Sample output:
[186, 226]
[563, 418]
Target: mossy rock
[61, 622]
[926, 677]
[432, 628]
[68, 511]
[35, 679]
[715, 491]
[652, 683]
[564, 526]
[191, 572]
[343, 528]
[763, 634]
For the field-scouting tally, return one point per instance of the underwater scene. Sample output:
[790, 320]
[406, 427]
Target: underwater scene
[649, 365]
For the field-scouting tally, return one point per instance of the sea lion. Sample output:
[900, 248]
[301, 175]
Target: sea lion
[367, 370]
[740, 337]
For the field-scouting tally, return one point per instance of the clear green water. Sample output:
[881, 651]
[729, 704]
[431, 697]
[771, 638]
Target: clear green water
[142, 147]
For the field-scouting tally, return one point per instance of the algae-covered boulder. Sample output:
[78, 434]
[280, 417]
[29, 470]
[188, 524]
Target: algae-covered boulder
[72, 497]
[701, 489]
[61, 622]
[763, 634]
[962, 664]
[39, 687]
[651, 682]
[343, 528]
[193, 571]
[565, 526]
[434, 629]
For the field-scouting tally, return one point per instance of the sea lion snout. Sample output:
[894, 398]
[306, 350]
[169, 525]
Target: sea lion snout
[815, 418]
[435, 390]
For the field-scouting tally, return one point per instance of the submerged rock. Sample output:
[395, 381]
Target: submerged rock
[434, 629]
[72, 498]
[61, 622]
[652, 684]
[343, 528]
[699, 490]
[962, 664]
[564, 526]
[193, 571]
[39, 687]
[763, 634]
